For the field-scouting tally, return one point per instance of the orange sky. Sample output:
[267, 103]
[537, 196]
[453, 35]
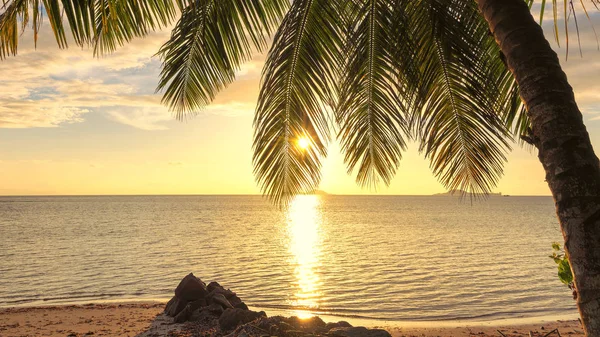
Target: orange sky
[72, 124]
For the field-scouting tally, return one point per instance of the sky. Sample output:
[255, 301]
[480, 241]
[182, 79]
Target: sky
[72, 124]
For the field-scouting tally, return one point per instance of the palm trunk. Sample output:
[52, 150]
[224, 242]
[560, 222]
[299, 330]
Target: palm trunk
[572, 168]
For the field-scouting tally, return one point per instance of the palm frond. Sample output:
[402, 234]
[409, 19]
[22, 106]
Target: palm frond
[372, 127]
[105, 24]
[300, 70]
[210, 42]
[460, 128]
[12, 13]
[116, 22]
[568, 8]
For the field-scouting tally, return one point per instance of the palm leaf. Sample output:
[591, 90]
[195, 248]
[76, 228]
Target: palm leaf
[105, 24]
[299, 72]
[13, 12]
[460, 128]
[209, 43]
[372, 129]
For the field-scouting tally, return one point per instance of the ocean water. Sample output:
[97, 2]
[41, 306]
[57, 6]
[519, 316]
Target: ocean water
[380, 257]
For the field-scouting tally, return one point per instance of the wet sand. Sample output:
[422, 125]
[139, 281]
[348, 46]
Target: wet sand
[145, 320]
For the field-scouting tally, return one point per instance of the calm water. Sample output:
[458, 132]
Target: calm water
[396, 258]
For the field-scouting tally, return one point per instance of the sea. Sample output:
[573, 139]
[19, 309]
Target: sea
[392, 258]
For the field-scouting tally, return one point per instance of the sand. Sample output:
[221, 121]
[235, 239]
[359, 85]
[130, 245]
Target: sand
[145, 320]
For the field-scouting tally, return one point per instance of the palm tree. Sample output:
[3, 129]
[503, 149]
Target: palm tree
[388, 71]
[564, 147]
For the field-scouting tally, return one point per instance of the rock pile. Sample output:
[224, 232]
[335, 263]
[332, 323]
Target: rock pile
[216, 311]
[196, 301]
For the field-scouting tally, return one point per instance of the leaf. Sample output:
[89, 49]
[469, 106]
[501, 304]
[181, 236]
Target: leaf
[209, 43]
[372, 127]
[466, 90]
[14, 12]
[564, 272]
[297, 79]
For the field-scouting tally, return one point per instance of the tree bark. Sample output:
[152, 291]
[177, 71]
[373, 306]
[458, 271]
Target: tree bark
[565, 151]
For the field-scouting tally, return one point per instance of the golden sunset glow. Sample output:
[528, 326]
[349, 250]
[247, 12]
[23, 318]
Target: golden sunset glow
[303, 143]
[304, 221]
[75, 108]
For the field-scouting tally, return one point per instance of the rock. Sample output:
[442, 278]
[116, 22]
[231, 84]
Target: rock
[340, 324]
[215, 309]
[231, 318]
[237, 302]
[226, 292]
[220, 299]
[175, 306]
[276, 325]
[212, 286]
[191, 288]
[205, 314]
[184, 315]
[311, 325]
[242, 306]
[169, 304]
[360, 331]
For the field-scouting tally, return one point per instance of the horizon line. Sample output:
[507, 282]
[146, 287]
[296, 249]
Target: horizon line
[246, 194]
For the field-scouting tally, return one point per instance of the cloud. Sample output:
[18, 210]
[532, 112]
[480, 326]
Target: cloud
[49, 87]
[147, 118]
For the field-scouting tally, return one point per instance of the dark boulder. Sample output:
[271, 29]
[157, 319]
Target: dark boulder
[340, 324]
[358, 332]
[191, 288]
[175, 306]
[220, 290]
[312, 325]
[241, 305]
[221, 300]
[169, 304]
[231, 318]
[215, 309]
[212, 286]
[183, 315]
[187, 312]
[237, 302]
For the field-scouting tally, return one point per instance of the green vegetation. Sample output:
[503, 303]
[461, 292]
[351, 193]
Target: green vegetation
[561, 258]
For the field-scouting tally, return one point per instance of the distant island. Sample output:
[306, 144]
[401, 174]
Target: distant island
[318, 192]
[465, 193]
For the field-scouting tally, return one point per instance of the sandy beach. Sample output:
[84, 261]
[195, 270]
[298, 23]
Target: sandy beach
[145, 320]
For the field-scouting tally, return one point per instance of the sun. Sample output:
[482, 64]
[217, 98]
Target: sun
[303, 143]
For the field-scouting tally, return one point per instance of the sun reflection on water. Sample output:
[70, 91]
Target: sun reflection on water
[304, 221]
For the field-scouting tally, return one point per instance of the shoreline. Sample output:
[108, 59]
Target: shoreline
[133, 318]
[493, 320]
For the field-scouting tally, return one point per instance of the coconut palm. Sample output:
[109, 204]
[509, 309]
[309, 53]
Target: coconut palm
[386, 71]
[564, 147]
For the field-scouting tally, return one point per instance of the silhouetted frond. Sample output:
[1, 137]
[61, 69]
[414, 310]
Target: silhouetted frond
[297, 79]
[210, 42]
[372, 126]
[461, 129]
[104, 24]
[568, 11]
[13, 12]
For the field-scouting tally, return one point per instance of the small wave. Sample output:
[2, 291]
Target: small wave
[363, 314]
[65, 298]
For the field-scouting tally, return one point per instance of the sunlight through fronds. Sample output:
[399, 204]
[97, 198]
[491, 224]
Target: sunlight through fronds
[297, 79]
[390, 70]
[461, 80]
